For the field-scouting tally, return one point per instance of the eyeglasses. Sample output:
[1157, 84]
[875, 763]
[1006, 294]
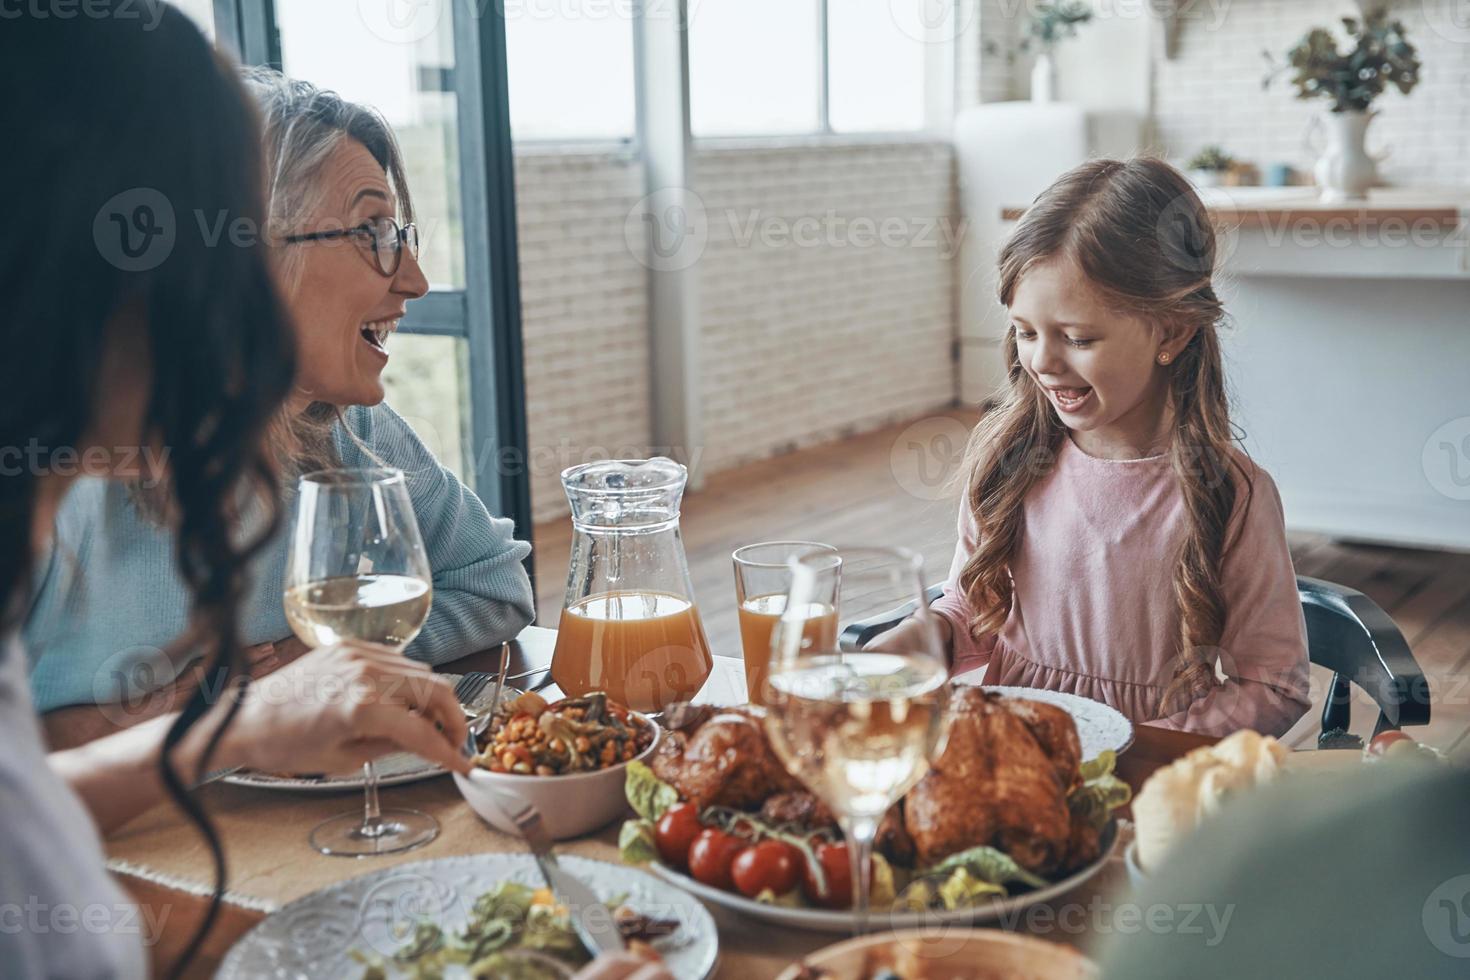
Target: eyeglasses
[385, 235]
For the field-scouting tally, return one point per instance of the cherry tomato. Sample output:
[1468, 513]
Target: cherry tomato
[675, 832]
[838, 869]
[711, 855]
[770, 865]
[1383, 741]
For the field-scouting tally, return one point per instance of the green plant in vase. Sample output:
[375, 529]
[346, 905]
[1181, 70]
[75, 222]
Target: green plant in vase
[1050, 24]
[1381, 56]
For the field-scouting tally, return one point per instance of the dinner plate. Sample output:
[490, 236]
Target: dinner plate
[1099, 726]
[1002, 911]
[393, 770]
[949, 954]
[376, 914]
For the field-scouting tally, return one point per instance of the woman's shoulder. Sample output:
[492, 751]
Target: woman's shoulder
[380, 431]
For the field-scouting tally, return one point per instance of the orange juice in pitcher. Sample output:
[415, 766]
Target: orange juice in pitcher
[629, 625]
[645, 649]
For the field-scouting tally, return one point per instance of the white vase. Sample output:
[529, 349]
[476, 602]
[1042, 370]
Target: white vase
[1345, 171]
[1044, 78]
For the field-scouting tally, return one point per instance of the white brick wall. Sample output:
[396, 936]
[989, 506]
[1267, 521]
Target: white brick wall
[1211, 92]
[584, 306]
[997, 70]
[805, 343]
[800, 343]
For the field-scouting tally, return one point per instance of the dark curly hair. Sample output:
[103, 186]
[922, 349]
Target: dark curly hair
[129, 140]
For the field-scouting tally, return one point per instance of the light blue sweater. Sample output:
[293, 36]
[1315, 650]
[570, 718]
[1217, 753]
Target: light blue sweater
[109, 599]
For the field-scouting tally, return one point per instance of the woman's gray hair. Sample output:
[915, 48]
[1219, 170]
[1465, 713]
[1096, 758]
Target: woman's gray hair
[302, 126]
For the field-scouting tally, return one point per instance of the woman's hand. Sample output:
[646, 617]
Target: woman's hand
[337, 707]
[265, 658]
[622, 966]
[909, 636]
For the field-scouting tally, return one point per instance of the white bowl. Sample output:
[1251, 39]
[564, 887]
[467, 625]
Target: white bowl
[570, 805]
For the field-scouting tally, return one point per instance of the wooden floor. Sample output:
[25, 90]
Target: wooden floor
[858, 491]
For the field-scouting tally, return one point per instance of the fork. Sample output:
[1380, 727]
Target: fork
[470, 686]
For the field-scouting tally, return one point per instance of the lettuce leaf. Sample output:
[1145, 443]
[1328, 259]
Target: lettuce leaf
[648, 795]
[965, 879]
[958, 889]
[962, 890]
[1101, 791]
[988, 864]
[635, 842]
[790, 900]
[881, 888]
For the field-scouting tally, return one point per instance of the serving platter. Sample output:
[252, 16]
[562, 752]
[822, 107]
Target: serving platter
[999, 911]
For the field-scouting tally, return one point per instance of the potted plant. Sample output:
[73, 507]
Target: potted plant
[1050, 24]
[1208, 167]
[1351, 80]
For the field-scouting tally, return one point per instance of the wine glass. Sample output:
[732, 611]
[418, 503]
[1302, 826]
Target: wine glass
[357, 571]
[858, 727]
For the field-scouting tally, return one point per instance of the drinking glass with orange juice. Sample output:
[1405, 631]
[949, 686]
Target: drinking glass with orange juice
[762, 579]
[629, 625]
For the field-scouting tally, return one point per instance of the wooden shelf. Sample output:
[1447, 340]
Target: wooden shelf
[1251, 208]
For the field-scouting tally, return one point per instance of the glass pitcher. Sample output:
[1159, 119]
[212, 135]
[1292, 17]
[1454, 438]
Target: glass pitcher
[629, 625]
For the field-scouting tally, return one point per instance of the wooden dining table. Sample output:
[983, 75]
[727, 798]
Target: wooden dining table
[164, 863]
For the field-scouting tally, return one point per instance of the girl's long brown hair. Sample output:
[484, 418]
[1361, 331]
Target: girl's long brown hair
[1144, 240]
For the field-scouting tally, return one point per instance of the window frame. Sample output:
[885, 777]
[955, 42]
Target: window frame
[486, 313]
[936, 110]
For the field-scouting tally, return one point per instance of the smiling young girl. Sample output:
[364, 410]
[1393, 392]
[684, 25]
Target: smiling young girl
[1114, 542]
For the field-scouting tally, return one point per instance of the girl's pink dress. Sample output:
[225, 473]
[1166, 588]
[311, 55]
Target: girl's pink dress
[1094, 610]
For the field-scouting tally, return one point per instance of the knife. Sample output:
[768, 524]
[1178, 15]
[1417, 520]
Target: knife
[592, 919]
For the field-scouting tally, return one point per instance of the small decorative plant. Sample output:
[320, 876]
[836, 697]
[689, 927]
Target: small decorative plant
[1053, 23]
[1381, 56]
[1211, 159]
[1050, 24]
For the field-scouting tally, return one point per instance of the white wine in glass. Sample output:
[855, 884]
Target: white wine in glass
[385, 609]
[357, 572]
[859, 728]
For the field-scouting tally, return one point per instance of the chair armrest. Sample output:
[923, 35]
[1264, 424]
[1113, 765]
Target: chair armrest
[1352, 635]
[857, 634]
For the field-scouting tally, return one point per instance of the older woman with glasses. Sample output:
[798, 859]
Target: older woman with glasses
[108, 607]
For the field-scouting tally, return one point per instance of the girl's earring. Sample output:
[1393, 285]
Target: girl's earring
[1163, 357]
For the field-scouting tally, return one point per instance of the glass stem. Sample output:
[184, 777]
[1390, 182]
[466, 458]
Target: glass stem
[372, 817]
[860, 833]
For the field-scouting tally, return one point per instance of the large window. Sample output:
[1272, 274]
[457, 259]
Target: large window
[876, 68]
[435, 70]
[571, 68]
[771, 67]
[408, 79]
[755, 67]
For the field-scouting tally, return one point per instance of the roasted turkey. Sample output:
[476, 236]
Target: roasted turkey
[1003, 781]
[722, 759]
